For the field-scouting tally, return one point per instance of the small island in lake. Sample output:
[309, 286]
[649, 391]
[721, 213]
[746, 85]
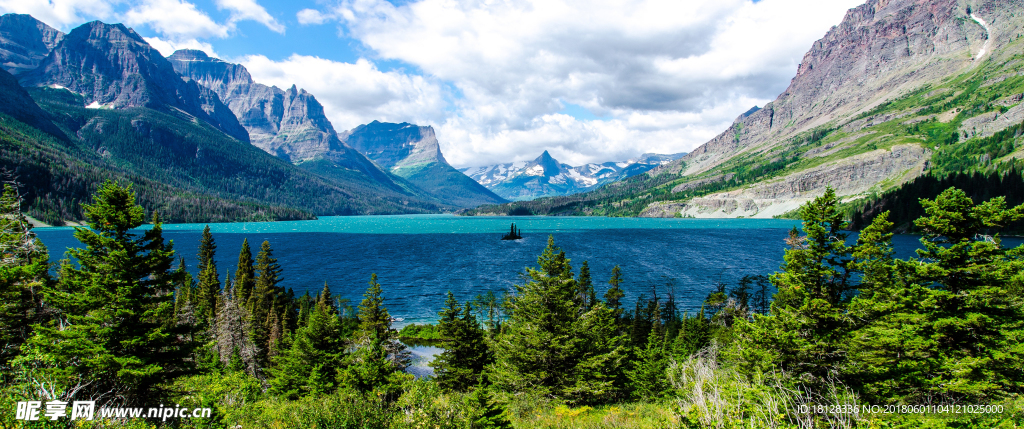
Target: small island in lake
[513, 234]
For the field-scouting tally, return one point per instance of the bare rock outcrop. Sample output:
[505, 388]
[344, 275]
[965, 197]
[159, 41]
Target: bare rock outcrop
[24, 42]
[852, 176]
[113, 67]
[880, 50]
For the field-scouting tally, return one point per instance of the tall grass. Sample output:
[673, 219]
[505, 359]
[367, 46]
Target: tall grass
[712, 396]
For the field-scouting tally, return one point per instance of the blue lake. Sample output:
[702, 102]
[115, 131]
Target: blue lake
[419, 258]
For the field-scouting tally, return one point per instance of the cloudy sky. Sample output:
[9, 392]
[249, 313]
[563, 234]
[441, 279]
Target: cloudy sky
[500, 80]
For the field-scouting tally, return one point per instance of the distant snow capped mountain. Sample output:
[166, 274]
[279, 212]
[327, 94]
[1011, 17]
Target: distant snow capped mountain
[545, 176]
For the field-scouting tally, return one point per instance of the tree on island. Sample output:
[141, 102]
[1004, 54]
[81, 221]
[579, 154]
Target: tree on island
[513, 234]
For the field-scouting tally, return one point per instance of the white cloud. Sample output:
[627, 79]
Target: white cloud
[310, 16]
[354, 94]
[60, 13]
[242, 10]
[167, 47]
[175, 19]
[670, 74]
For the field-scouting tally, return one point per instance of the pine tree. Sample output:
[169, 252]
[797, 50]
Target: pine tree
[466, 354]
[547, 346]
[951, 312]
[804, 335]
[265, 300]
[235, 347]
[374, 319]
[377, 365]
[312, 363]
[117, 326]
[245, 274]
[694, 334]
[24, 266]
[613, 297]
[209, 278]
[585, 285]
[488, 415]
[648, 376]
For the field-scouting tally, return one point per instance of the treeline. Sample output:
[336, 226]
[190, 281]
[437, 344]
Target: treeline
[903, 207]
[847, 324]
[57, 176]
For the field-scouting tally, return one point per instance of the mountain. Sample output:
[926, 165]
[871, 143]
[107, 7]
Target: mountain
[897, 90]
[114, 68]
[289, 124]
[19, 105]
[24, 42]
[150, 132]
[413, 152]
[545, 176]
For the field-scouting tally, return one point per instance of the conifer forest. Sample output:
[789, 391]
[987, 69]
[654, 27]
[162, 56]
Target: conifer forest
[843, 335]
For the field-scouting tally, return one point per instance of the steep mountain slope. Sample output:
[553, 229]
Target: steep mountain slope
[58, 172]
[113, 67]
[16, 103]
[150, 132]
[545, 176]
[24, 42]
[886, 96]
[289, 124]
[413, 153]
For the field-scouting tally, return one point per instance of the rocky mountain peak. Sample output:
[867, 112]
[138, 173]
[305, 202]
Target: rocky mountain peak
[24, 42]
[545, 165]
[113, 67]
[393, 145]
[222, 77]
[881, 49]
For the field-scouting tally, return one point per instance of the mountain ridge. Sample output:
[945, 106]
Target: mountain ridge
[114, 67]
[897, 90]
[546, 176]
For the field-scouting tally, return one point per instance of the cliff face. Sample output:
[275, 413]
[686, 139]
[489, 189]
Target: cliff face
[288, 123]
[17, 103]
[880, 50]
[413, 152]
[24, 42]
[396, 146]
[889, 65]
[113, 67]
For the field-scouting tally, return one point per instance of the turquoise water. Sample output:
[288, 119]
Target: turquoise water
[449, 224]
[419, 258]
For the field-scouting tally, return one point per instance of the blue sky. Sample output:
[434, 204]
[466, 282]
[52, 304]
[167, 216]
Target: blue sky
[500, 80]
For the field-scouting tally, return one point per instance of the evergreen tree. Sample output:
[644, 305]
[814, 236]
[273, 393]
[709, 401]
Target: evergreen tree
[245, 274]
[374, 319]
[209, 278]
[116, 326]
[613, 297]
[694, 334]
[648, 376]
[546, 347]
[316, 355]
[466, 354]
[951, 312]
[265, 301]
[585, 284]
[235, 347]
[377, 365]
[489, 415]
[24, 266]
[804, 334]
